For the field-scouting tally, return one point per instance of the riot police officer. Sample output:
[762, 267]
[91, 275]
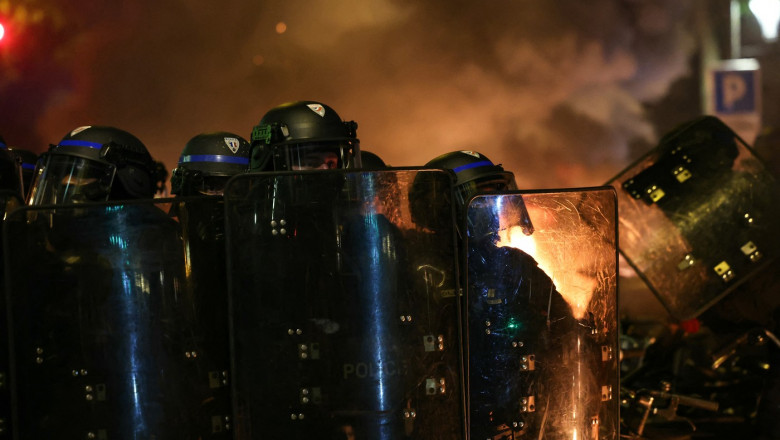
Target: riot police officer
[206, 163]
[512, 389]
[95, 292]
[315, 285]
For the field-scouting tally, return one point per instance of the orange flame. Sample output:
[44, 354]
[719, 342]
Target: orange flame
[559, 262]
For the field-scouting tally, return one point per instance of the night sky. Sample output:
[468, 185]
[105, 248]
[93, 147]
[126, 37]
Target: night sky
[562, 93]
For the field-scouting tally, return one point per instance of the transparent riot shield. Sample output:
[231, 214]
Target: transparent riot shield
[118, 330]
[344, 305]
[9, 202]
[203, 337]
[698, 216]
[541, 280]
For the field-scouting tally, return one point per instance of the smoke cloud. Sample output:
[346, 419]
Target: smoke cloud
[552, 90]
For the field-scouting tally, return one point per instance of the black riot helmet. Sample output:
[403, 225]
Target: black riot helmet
[304, 135]
[10, 170]
[208, 161]
[476, 174]
[94, 163]
[371, 161]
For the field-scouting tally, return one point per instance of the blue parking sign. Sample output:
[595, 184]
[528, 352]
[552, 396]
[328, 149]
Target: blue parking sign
[736, 91]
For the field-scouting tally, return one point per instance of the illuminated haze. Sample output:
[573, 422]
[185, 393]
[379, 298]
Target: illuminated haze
[551, 89]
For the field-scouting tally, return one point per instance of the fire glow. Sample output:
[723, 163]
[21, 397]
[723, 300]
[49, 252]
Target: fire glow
[559, 260]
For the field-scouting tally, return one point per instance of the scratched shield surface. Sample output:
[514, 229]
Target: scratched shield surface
[104, 339]
[344, 313]
[541, 289]
[698, 216]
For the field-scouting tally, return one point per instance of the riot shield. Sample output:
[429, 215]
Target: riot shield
[541, 289]
[343, 305]
[9, 202]
[203, 320]
[114, 334]
[698, 216]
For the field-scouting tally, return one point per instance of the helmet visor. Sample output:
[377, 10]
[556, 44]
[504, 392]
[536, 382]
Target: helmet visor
[321, 156]
[213, 185]
[187, 182]
[70, 179]
[498, 182]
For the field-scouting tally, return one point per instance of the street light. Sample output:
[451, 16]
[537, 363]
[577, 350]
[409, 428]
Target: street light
[767, 13]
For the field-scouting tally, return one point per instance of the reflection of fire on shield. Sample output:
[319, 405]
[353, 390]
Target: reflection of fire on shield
[558, 256]
[542, 317]
[698, 216]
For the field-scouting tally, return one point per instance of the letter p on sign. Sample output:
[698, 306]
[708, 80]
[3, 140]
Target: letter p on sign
[736, 91]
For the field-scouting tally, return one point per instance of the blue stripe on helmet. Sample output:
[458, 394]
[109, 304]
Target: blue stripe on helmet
[3, 145]
[468, 166]
[78, 143]
[28, 166]
[214, 158]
